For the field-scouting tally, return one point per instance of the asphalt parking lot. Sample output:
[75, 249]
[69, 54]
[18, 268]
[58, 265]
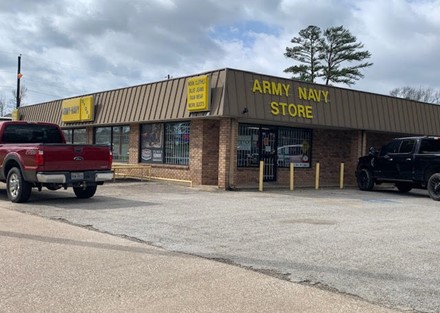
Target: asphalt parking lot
[380, 246]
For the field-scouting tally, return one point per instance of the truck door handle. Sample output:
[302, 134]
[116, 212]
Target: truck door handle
[408, 159]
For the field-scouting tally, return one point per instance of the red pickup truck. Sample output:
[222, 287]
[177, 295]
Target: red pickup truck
[35, 155]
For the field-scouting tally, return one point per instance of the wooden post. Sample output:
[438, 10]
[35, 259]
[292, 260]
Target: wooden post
[292, 176]
[317, 176]
[341, 185]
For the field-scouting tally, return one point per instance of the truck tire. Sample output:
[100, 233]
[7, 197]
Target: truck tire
[84, 193]
[434, 186]
[404, 187]
[17, 188]
[365, 180]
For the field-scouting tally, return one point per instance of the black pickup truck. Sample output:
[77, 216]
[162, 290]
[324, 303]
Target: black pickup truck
[411, 162]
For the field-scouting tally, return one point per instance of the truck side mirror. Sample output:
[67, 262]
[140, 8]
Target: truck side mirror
[373, 151]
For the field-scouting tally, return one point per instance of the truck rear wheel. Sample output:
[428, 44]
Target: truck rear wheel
[365, 180]
[84, 192]
[17, 188]
[434, 186]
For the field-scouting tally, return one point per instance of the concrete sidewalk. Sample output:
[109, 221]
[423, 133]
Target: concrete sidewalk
[51, 266]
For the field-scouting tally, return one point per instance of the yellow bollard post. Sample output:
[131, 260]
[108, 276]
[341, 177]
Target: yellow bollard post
[292, 176]
[317, 176]
[261, 176]
[341, 185]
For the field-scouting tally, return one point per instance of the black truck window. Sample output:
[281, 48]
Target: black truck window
[407, 146]
[392, 147]
[31, 133]
[430, 146]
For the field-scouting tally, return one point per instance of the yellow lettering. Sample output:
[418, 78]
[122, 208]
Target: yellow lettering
[257, 86]
[301, 110]
[275, 110]
[283, 106]
[317, 94]
[292, 110]
[302, 93]
[276, 89]
[266, 87]
[286, 89]
[311, 95]
[325, 93]
[309, 113]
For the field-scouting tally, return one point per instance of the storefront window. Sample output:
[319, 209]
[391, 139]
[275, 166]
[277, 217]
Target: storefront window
[68, 135]
[75, 135]
[152, 143]
[118, 137]
[292, 145]
[177, 137]
[165, 143]
[248, 152]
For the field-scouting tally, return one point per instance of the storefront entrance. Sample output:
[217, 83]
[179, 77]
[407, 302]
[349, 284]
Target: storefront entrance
[268, 139]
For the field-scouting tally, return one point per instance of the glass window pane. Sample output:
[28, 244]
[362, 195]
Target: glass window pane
[177, 136]
[68, 135]
[120, 144]
[248, 153]
[294, 145]
[79, 136]
[152, 143]
[103, 135]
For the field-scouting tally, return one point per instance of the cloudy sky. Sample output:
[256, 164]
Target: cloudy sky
[75, 47]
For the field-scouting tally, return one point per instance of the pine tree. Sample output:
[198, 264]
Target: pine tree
[340, 47]
[326, 56]
[306, 52]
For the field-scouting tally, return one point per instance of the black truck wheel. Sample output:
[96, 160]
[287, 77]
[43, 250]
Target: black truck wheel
[17, 188]
[404, 187]
[84, 192]
[365, 180]
[434, 186]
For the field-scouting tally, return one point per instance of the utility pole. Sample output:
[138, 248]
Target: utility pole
[18, 81]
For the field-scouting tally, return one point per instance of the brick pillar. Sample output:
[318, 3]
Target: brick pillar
[196, 151]
[227, 158]
[133, 149]
[89, 134]
[204, 152]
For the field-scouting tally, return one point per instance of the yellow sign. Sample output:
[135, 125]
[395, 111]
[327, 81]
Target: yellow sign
[77, 110]
[198, 95]
[15, 115]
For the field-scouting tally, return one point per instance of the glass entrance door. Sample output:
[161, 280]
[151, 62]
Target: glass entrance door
[268, 140]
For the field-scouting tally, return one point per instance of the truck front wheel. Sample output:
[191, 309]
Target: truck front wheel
[365, 180]
[84, 192]
[18, 189]
[434, 186]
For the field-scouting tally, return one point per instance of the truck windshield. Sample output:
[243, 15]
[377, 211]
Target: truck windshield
[31, 133]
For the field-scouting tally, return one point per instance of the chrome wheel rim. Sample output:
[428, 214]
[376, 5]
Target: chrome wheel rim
[435, 186]
[14, 185]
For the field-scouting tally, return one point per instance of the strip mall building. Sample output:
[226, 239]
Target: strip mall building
[214, 128]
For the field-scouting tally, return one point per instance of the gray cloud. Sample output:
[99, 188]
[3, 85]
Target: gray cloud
[75, 47]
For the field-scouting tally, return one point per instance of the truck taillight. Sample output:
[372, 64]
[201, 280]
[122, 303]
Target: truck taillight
[110, 158]
[40, 157]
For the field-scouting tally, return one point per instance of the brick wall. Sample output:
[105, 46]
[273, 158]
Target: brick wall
[204, 152]
[377, 140]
